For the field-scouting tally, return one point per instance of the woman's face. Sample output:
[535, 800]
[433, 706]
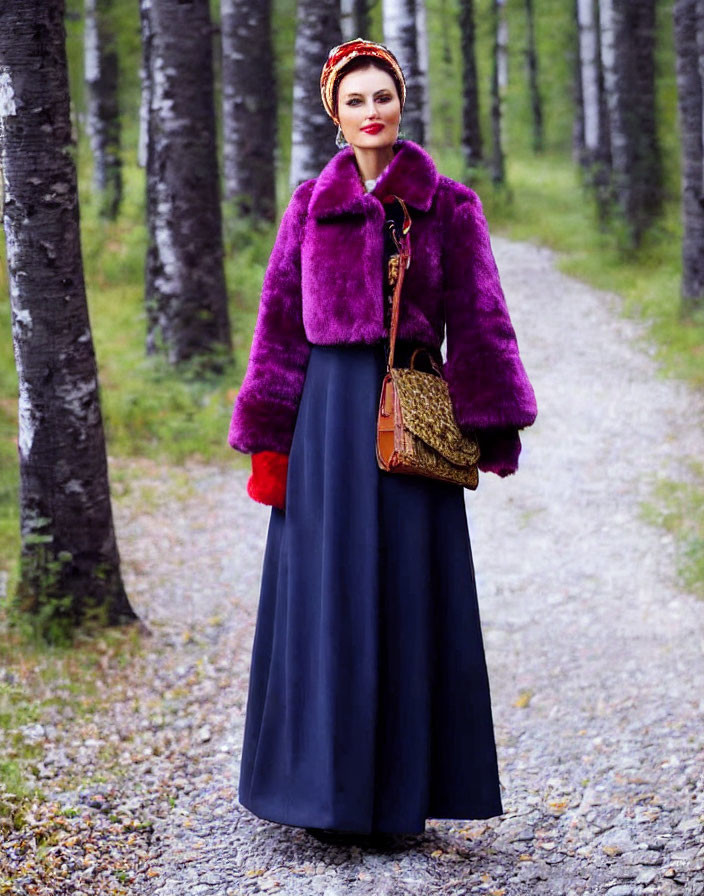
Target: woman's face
[369, 108]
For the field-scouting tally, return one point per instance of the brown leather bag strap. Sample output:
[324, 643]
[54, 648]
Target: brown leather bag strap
[404, 251]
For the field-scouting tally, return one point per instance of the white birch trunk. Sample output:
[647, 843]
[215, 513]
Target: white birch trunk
[628, 39]
[400, 24]
[69, 563]
[589, 69]
[312, 133]
[498, 172]
[502, 45]
[186, 297]
[103, 119]
[354, 19]
[607, 21]
[145, 81]
[423, 62]
[700, 52]
[348, 22]
[249, 107]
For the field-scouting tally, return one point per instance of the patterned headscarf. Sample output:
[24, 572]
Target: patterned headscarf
[344, 53]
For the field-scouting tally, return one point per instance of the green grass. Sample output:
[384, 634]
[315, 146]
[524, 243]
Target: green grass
[678, 507]
[38, 681]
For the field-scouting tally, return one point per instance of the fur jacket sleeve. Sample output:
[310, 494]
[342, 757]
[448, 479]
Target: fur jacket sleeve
[267, 403]
[490, 390]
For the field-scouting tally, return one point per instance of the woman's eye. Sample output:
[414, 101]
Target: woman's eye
[353, 102]
[384, 99]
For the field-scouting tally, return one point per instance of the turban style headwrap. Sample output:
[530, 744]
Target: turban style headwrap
[340, 56]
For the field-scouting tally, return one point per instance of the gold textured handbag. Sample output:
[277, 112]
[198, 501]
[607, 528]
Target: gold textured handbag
[416, 428]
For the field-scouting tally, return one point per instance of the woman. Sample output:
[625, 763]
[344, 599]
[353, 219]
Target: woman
[369, 706]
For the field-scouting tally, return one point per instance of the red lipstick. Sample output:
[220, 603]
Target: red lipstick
[373, 128]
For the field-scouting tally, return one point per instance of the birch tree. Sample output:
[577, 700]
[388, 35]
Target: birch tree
[498, 168]
[249, 107]
[69, 565]
[536, 104]
[501, 53]
[594, 149]
[471, 129]
[103, 120]
[355, 20]
[627, 45]
[689, 44]
[313, 137]
[423, 63]
[400, 25]
[589, 63]
[186, 297]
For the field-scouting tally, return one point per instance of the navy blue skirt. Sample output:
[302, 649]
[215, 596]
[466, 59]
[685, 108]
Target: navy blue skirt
[369, 706]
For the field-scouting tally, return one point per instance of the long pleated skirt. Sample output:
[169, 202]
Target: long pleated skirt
[369, 706]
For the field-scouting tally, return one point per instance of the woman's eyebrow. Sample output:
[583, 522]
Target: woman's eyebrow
[376, 92]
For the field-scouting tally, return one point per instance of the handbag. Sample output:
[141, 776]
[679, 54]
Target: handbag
[417, 432]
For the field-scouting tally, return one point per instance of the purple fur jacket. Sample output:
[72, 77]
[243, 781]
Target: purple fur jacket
[324, 285]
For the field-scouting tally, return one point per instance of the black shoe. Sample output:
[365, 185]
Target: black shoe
[373, 840]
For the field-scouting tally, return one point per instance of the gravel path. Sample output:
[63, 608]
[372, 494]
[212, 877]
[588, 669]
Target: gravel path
[596, 657]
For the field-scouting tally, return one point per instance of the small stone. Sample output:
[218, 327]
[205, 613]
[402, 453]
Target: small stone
[689, 824]
[620, 890]
[647, 857]
[523, 836]
[617, 841]
[204, 734]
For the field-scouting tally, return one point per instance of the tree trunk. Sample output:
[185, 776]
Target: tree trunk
[101, 77]
[400, 24]
[313, 136]
[578, 125]
[502, 54]
[628, 42]
[423, 63]
[536, 104]
[249, 107]
[595, 151]
[689, 94]
[145, 77]
[146, 158]
[471, 129]
[69, 564]
[498, 171]
[700, 49]
[447, 70]
[185, 282]
[589, 77]
[354, 18]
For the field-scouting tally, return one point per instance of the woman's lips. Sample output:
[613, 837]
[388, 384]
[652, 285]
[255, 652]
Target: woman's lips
[373, 128]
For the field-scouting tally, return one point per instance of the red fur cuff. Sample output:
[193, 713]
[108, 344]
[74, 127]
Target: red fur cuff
[267, 484]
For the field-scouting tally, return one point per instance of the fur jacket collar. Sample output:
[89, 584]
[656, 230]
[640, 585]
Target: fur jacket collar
[324, 285]
[339, 190]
